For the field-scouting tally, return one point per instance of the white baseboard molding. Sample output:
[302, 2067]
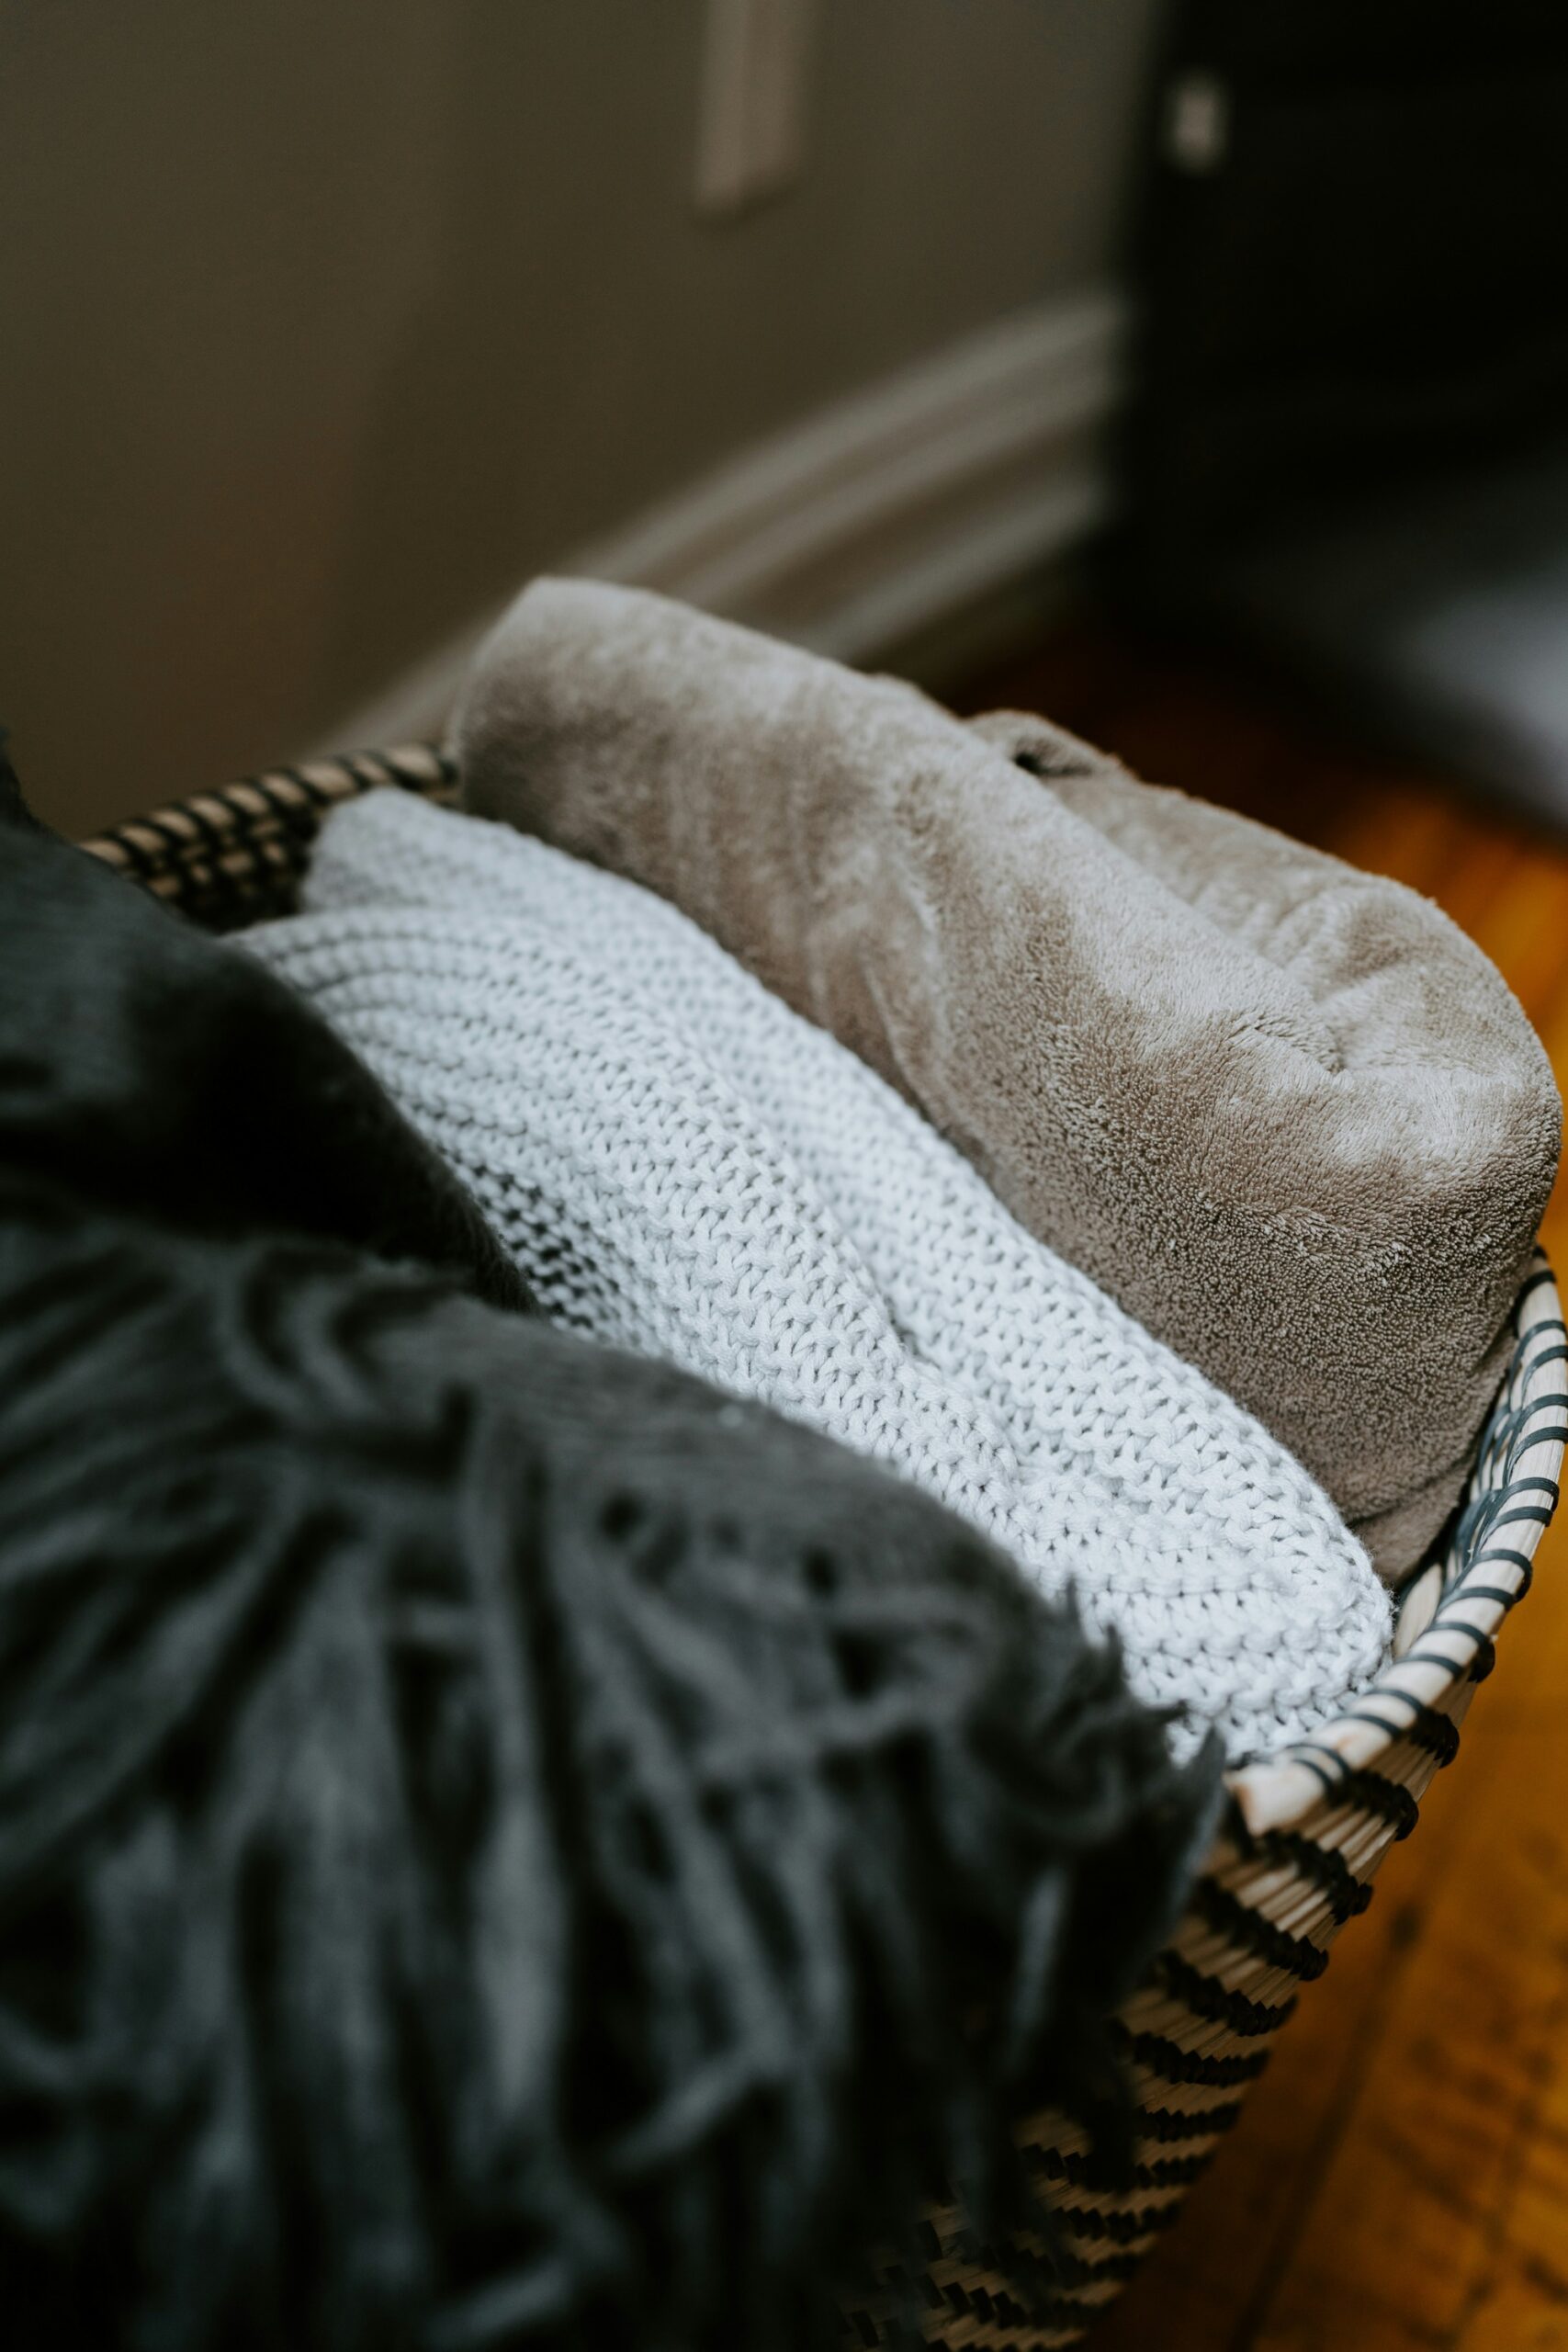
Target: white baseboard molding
[872, 520]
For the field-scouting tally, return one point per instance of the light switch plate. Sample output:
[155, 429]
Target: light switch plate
[750, 132]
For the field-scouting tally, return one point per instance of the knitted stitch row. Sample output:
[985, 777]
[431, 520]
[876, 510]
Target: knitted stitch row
[683, 1166]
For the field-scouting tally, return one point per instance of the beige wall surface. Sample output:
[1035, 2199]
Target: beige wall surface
[326, 321]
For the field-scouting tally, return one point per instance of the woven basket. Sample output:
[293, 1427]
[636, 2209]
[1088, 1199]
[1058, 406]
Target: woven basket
[1305, 1831]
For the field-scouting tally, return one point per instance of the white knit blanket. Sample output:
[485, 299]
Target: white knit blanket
[683, 1167]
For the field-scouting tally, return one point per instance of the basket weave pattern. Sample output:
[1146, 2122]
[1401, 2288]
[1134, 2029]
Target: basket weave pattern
[1306, 1828]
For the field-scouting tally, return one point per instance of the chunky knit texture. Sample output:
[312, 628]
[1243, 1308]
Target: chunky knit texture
[683, 1166]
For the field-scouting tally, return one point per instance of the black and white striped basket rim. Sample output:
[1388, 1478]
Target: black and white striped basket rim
[1450, 1613]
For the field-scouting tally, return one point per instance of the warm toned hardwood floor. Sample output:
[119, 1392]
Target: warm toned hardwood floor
[1400, 2176]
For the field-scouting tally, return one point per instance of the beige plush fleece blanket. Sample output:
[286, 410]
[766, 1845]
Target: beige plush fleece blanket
[1284, 1112]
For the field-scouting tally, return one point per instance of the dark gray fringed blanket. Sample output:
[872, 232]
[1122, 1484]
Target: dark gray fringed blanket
[498, 1845]
[155, 1070]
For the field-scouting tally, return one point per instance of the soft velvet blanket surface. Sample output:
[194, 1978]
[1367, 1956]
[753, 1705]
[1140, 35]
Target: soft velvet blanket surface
[1284, 1112]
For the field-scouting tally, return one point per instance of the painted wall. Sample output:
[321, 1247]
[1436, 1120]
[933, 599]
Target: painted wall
[324, 321]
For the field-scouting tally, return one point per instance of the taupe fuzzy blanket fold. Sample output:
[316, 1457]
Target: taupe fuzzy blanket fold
[1283, 1110]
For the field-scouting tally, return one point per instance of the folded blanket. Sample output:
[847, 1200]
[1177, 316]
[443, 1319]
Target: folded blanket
[1284, 1112]
[158, 1069]
[497, 1841]
[681, 1165]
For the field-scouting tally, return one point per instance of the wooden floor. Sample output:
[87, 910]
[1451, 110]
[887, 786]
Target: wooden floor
[1400, 2176]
